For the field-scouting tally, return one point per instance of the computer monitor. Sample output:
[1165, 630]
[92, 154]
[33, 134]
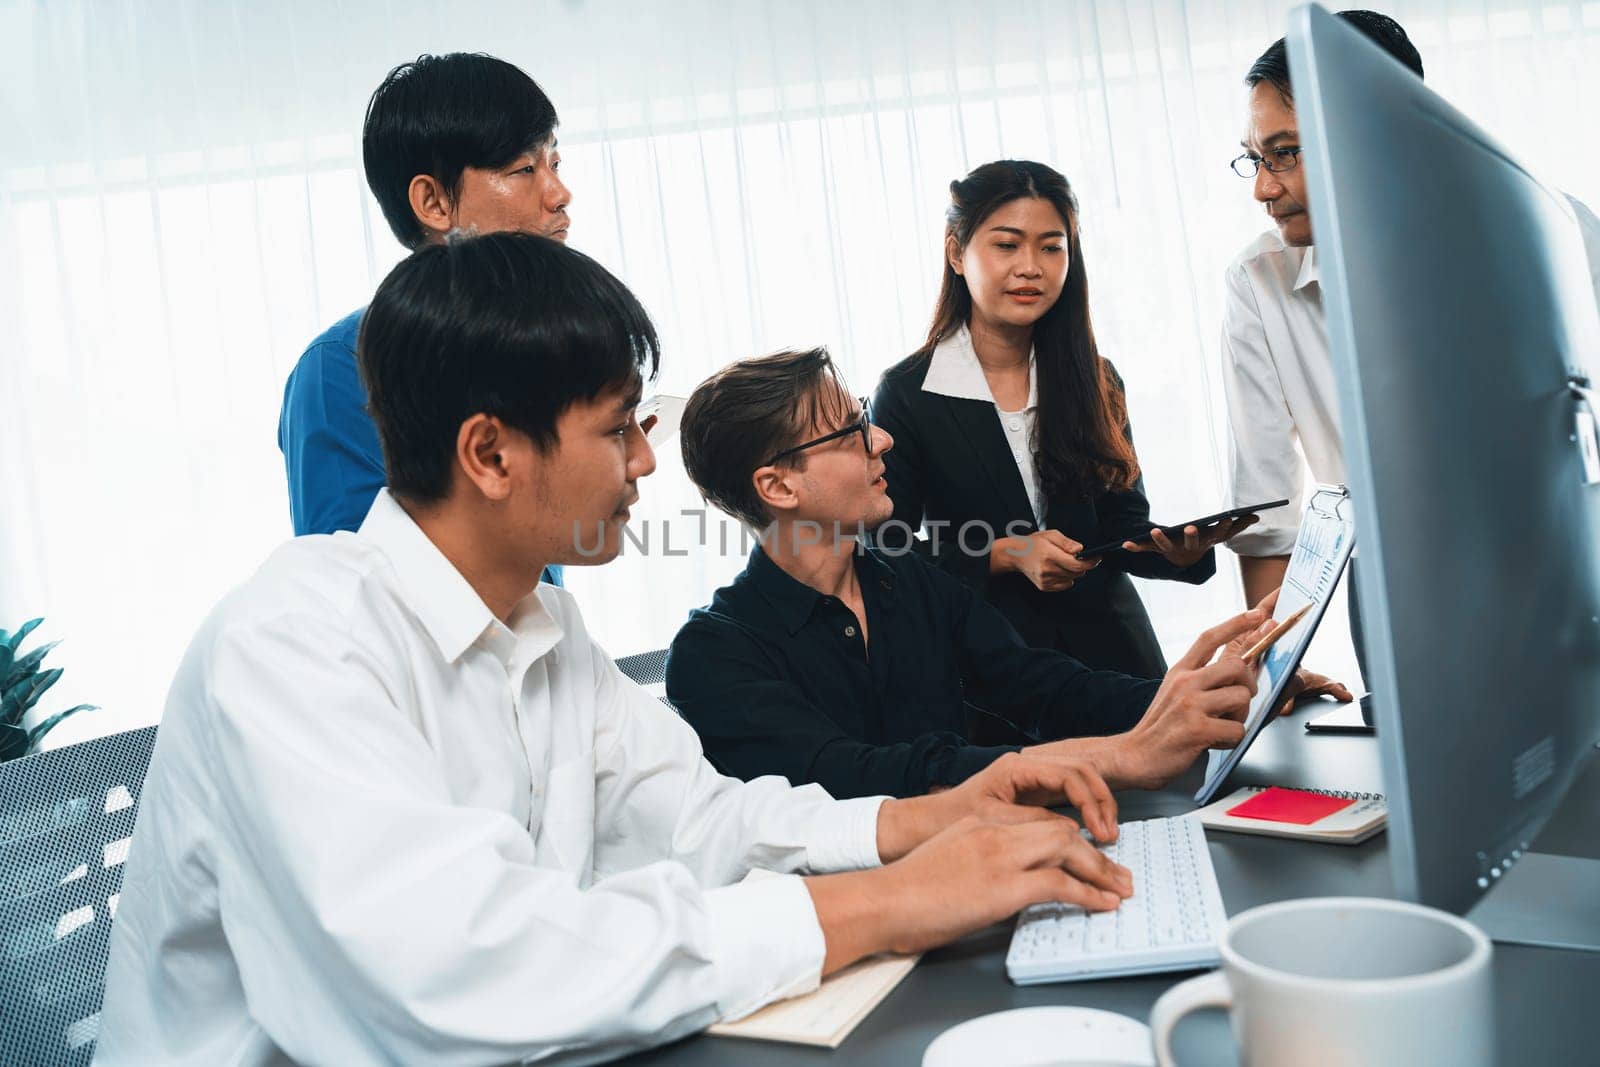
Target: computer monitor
[1459, 304]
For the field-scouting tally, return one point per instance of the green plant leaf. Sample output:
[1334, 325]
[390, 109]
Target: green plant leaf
[11, 709]
[15, 640]
[37, 733]
[13, 683]
[24, 693]
[30, 663]
[20, 695]
[41, 681]
[6, 655]
[13, 742]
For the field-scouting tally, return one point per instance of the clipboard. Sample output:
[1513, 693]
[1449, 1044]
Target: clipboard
[668, 412]
[1327, 535]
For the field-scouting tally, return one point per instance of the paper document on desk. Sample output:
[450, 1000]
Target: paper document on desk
[825, 1016]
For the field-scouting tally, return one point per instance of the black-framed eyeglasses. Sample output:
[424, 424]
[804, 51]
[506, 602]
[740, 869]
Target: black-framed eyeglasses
[862, 426]
[1276, 161]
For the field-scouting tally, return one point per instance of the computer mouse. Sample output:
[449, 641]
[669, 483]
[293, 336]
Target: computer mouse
[1044, 1037]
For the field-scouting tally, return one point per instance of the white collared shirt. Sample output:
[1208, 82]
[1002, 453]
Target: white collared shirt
[1278, 377]
[383, 827]
[954, 371]
[1277, 372]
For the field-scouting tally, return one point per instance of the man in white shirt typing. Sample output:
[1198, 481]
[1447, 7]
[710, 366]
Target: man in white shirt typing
[403, 809]
[1277, 370]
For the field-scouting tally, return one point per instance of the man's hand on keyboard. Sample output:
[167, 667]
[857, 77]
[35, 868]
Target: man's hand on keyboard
[972, 855]
[976, 873]
[1014, 788]
[1201, 704]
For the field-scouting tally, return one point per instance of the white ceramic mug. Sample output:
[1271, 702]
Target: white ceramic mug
[1345, 981]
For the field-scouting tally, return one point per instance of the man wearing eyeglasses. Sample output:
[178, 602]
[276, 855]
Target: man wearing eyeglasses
[868, 670]
[1275, 363]
[1277, 370]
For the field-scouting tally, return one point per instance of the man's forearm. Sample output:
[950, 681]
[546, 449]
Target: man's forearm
[1261, 575]
[1113, 757]
[856, 909]
[854, 915]
[905, 824]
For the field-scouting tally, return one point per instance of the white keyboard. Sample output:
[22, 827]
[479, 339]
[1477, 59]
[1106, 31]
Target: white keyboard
[1171, 923]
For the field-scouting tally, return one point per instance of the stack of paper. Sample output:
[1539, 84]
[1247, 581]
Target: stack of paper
[825, 1016]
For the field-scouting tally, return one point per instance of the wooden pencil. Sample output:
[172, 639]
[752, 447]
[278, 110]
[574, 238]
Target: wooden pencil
[1260, 647]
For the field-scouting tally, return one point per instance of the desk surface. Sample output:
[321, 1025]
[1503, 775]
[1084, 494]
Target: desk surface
[1544, 997]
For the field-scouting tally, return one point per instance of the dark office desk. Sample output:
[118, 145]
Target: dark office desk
[1546, 1009]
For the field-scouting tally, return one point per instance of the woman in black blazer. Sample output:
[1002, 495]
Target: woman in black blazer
[1012, 439]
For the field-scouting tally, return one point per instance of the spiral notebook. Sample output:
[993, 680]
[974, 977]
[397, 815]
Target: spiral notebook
[1304, 814]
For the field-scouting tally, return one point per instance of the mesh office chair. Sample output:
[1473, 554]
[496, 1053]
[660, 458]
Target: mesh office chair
[649, 669]
[65, 820]
[646, 668]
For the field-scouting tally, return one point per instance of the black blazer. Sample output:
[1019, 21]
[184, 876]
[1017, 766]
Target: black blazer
[951, 463]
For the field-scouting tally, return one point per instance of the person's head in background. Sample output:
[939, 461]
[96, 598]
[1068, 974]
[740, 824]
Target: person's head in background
[1013, 266]
[779, 443]
[463, 142]
[1272, 136]
[503, 372]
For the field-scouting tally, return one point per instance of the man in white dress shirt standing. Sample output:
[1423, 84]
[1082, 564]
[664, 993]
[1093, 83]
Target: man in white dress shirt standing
[1277, 370]
[404, 810]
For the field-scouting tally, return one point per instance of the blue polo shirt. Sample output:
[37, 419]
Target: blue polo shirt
[330, 445]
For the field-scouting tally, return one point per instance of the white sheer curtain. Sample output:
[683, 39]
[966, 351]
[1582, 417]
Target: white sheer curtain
[182, 209]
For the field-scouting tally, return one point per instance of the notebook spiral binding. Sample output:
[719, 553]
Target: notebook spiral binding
[1341, 794]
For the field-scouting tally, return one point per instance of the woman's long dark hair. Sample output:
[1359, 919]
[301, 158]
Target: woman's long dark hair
[1079, 443]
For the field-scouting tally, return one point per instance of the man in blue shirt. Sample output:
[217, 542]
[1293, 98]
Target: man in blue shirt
[452, 142]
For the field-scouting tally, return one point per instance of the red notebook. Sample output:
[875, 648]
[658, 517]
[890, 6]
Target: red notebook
[1289, 805]
[1302, 814]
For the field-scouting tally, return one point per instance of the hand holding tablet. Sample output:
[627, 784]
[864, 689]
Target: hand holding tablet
[1188, 538]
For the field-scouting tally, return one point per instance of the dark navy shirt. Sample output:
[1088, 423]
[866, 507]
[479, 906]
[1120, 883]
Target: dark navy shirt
[330, 445]
[776, 679]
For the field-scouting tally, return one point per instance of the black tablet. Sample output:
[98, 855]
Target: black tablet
[1346, 719]
[1177, 531]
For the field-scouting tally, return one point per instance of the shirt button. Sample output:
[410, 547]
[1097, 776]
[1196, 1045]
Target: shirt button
[1016, 424]
[849, 631]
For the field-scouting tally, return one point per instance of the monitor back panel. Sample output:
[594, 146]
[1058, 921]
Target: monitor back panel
[1458, 299]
